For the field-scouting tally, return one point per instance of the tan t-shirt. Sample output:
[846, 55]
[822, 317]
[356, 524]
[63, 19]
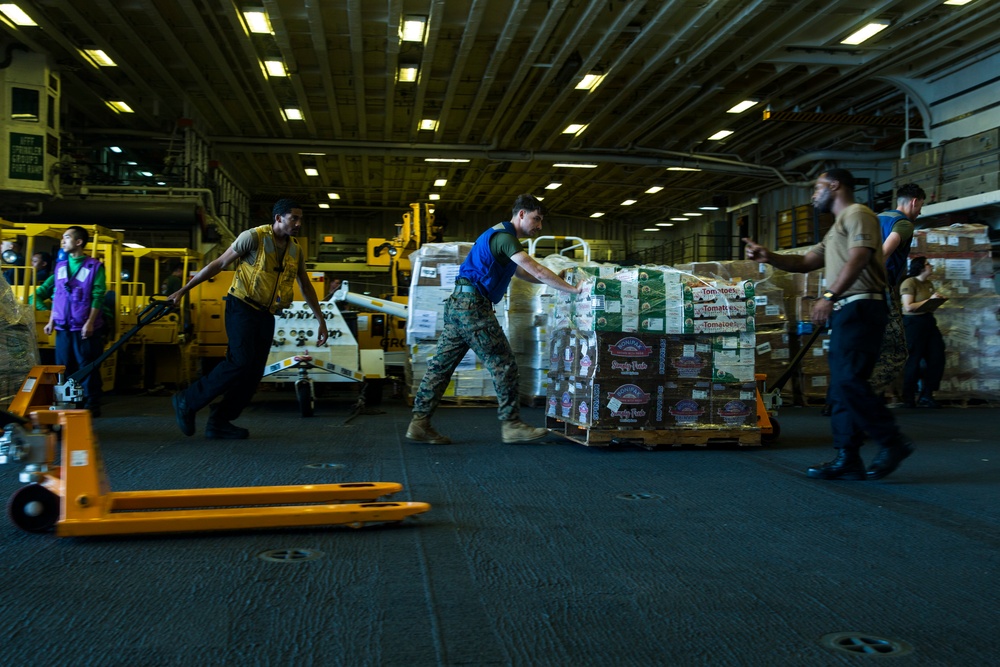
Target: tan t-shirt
[920, 290]
[855, 227]
[245, 246]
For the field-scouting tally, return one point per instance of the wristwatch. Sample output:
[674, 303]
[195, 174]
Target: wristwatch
[829, 296]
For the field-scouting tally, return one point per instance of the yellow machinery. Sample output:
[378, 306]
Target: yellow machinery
[163, 351]
[75, 498]
[416, 229]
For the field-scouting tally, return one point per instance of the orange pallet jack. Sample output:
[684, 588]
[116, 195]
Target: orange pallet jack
[75, 498]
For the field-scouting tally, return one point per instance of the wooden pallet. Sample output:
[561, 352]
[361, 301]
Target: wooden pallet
[658, 439]
[463, 401]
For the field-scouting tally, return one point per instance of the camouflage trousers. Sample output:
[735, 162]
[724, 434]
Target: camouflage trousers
[470, 323]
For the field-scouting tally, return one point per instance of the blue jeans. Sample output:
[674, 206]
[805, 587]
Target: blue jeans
[856, 411]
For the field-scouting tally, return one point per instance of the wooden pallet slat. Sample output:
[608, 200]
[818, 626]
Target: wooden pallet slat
[655, 439]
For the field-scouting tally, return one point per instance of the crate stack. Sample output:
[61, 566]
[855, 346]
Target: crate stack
[655, 355]
[963, 271]
[530, 313]
[959, 168]
[435, 268]
[19, 351]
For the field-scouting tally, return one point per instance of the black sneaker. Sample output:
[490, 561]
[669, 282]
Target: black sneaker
[928, 403]
[223, 430]
[847, 466]
[185, 417]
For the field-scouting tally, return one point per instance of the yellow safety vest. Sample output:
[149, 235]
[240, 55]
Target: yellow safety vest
[264, 284]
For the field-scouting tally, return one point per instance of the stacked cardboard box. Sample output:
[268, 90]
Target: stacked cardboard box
[630, 378]
[18, 351]
[963, 271]
[435, 267]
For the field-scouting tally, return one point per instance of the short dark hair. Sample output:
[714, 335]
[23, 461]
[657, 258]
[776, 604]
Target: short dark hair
[917, 265]
[44, 256]
[842, 176]
[80, 233]
[284, 207]
[175, 266]
[910, 191]
[529, 203]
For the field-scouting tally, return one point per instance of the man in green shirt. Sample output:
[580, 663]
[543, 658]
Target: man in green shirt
[77, 290]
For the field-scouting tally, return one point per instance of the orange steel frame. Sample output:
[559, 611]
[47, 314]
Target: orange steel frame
[89, 507]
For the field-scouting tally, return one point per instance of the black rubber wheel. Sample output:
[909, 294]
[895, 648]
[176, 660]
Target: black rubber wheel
[772, 437]
[307, 402]
[371, 391]
[33, 508]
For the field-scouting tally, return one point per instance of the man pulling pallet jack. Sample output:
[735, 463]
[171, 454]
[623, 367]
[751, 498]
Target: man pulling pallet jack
[75, 497]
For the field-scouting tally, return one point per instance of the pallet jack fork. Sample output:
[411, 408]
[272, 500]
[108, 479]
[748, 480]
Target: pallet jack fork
[75, 498]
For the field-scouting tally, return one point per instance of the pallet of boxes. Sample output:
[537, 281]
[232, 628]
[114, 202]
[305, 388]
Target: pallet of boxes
[654, 357]
[970, 319]
[434, 270]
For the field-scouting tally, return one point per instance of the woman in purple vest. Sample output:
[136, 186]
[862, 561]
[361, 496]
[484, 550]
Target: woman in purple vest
[77, 291]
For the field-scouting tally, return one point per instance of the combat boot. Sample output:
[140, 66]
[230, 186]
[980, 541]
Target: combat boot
[516, 430]
[420, 429]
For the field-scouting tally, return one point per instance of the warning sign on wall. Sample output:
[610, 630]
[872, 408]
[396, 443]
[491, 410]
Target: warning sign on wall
[27, 156]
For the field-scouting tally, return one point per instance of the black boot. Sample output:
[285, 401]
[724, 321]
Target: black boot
[848, 466]
[889, 458]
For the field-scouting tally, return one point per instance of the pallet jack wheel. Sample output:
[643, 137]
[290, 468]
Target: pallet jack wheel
[307, 402]
[772, 437]
[33, 508]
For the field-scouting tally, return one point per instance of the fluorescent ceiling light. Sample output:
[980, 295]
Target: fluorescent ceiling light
[575, 128]
[333, 195]
[428, 124]
[413, 29]
[692, 215]
[16, 14]
[866, 33]
[312, 171]
[99, 58]
[118, 106]
[115, 149]
[664, 224]
[651, 229]
[628, 202]
[683, 169]
[596, 215]
[276, 67]
[131, 163]
[553, 186]
[292, 113]
[540, 198]
[743, 106]
[679, 219]
[709, 208]
[312, 153]
[721, 134]
[653, 190]
[575, 165]
[445, 159]
[957, 3]
[130, 244]
[257, 21]
[147, 174]
[324, 205]
[434, 197]
[407, 74]
[441, 182]
[590, 81]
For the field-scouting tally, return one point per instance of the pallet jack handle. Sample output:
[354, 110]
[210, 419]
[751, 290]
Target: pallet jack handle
[155, 310]
[780, 382]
